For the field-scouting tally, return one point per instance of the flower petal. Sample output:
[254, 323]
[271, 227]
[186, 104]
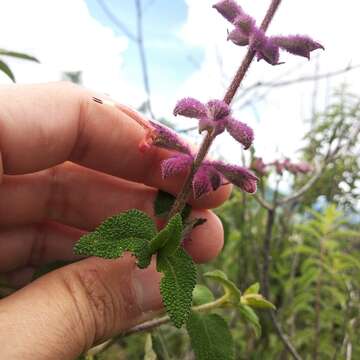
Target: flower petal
[245, 23]
[175, 165]
[191, 108]
[206, 179]
[217, 109]
[269, 52]
[259, 166]
[201, 183]
[168, 139]
[304, 167]
[240, 132]
[238, 37]
[238, 175]
[301, 45]
[229, 9]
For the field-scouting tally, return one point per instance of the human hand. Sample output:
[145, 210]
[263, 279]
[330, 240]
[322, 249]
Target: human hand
[66, 164]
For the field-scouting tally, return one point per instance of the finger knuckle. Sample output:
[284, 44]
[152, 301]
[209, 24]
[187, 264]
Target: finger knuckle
[95, 304]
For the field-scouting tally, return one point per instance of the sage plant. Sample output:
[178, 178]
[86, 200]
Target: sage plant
[136, 232]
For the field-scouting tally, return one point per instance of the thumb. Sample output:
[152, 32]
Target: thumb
[65, 312]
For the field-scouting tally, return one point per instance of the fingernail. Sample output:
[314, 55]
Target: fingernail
[147, 288]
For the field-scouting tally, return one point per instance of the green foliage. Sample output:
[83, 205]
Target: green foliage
[129, 231]
[202, 295]
[337, 126]
[5, 68]
[229, 287]
[177, 284]
[249, 315]
[148, 349]
[168, 239]
[210, 337]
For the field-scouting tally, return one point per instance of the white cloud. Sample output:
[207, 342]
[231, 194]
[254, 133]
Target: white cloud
[64, 37]
[281, 126]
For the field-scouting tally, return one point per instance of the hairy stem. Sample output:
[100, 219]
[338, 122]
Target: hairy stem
[229, 95]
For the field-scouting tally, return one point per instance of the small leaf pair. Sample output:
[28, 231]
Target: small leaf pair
[134, 231]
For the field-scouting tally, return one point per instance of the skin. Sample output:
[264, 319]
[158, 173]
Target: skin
[67, 163]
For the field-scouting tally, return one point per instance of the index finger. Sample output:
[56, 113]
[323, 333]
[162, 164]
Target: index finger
[44, 125]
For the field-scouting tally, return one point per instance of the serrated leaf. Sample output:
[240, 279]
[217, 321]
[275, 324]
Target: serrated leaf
[229, 287]
[250, 316]
[163, 204]
[6, 70]
[177, 284]
[110, 248]
[148, 349]
[257, 301]
[210, 337]
[253, 289]
[18, 55]
[129, 231]
[169, 237]
[202, 295]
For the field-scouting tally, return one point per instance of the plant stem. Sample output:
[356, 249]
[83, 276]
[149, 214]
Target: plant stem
[229, 95]
[151, 324]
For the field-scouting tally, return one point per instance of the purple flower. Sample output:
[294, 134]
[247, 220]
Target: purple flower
[176, 164]
[266, 48]
[215, 116]
[229, 9]
[279, 167]
[304, 167]
[238, 175]
[162, 136]
[301, 45]
[206, 179]
[259, 166]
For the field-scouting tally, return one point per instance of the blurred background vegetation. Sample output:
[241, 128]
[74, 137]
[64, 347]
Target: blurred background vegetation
[299, 237]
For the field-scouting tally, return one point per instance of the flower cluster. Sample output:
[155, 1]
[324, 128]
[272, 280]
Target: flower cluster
[266, 47]
[261, 168]
[215, 116]
[210, 175]
[293, 168]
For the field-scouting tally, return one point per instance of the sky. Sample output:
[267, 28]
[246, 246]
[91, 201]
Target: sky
[188, 55]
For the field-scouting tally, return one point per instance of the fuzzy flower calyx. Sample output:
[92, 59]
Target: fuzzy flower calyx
[215, 116]
[210, 175]
[266, 48]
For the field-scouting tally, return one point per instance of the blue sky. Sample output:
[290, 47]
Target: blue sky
[168, 56]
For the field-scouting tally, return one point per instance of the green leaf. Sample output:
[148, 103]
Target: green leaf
[129, 231]
[18, 55]
[149, 351]
[257, 301]
[210, 337]
[253, 289]
[177, 284]
[168, 238]
[229, 287]
[202, 295]
[5, 69]
[249, 315]
[163, 204]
